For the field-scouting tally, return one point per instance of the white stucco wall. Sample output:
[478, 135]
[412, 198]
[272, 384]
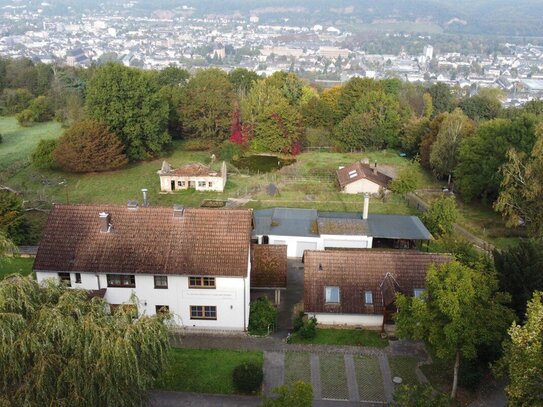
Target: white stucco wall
[295, 243]
[231, 297]
[365, 320]
[218, 183]
[362, 186]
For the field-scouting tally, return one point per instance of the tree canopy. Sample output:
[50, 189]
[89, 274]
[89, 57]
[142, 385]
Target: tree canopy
[459, 311]
[127, 101]
[57, 347]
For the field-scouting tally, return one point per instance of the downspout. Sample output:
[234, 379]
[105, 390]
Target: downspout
[98, 280]
[244, 305]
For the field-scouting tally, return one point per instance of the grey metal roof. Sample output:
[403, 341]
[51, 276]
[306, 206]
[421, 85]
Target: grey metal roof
[286, 222]
[309, 223]
[397, 227]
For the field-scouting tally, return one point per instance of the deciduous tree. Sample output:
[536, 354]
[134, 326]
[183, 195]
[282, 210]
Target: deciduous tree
[522, 362]
[57, 347]
[441, 215]
[459, 310]
[89, 146]
[127, 101]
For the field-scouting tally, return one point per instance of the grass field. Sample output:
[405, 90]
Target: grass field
[199, 370]
[18, 143]
[10, 265]
[309, 183]
[354, 337]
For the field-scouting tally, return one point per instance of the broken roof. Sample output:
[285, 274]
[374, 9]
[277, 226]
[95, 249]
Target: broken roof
[191, 170]
[358, 171]
[146, 240]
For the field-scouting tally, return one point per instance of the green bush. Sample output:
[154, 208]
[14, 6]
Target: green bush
[421, 395]
[309, 328]
[247, 377]
[298, 322]
[407, 181]
[298, 394]
[262, 315]
[441, 215]
[229, 151]
[26, 118]
[42, 157]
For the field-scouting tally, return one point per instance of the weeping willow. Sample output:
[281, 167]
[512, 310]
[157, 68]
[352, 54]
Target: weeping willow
[60, 349]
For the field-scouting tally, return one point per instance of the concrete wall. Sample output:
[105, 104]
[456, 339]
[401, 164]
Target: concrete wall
[218, 183]
[362, 186]
[296, 243]
[231, 297]
[364, 320]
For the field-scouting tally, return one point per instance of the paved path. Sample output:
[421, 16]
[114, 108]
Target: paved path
[180, 399]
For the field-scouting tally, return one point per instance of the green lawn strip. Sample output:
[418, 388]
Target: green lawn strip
[353, 337]
[297, 367]
[10, 265]
[404, 367]
[203, 370]
[333, 376]
[369, 378]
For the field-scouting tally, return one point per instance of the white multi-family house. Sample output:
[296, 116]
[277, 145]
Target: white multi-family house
[195, 263]
[192, 176]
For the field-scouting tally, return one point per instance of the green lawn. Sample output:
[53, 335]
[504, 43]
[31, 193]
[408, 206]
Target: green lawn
[18, 143]
[354, 337]
[203, 370]
[10, 265]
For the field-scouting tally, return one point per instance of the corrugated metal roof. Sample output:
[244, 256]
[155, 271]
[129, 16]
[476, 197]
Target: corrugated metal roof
[397, 227]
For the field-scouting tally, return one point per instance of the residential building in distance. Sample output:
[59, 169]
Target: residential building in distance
[359, 287]
[194, 263]
[195, 175]
[361, 178]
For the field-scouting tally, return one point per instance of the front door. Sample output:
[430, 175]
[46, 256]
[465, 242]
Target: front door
[173, 185]
[192, 184]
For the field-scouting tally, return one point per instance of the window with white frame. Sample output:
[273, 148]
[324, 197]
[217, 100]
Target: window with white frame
[331, 295]
[368, 297]
[181, 183]
[201, 184]
[210, 184]
[417, 292]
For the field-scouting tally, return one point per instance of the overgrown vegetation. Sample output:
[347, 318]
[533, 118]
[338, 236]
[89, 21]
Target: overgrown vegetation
[262, 316]
[248, 377]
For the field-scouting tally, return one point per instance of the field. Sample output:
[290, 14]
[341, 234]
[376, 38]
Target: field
[349, 337]
[10, 265]
[308, 183]
[199, 370]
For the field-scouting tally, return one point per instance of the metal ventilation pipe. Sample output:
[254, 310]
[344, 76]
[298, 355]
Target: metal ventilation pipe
[366, 206]
[145, 202]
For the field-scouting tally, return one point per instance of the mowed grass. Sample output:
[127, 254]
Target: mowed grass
[20, 265]
[18, 142]
[353, 337]
[204, 370]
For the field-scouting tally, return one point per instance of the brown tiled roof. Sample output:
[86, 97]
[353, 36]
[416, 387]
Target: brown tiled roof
[361, 171]
[195, 170]
[355, 272]
[269, 266]
[146, 240]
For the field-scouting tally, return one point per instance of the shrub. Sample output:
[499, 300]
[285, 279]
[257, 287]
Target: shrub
[197, 144]
[89, 146]
[26, 118]
[407, 181]
[420, 395]
[229, 151]
[262, 314]
[248, 377]
[14, 100]
[298, 322]
[1, 139]
[441, 215]
[42, 157]
[309, 328]
[41, 109]
[298, 394]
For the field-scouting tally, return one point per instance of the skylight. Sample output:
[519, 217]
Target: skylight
[352, 174]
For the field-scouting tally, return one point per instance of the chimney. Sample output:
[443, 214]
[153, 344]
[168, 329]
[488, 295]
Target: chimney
[178, 211]
[375, 168]
[105, 222]
[145, 202]
[366, 206]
